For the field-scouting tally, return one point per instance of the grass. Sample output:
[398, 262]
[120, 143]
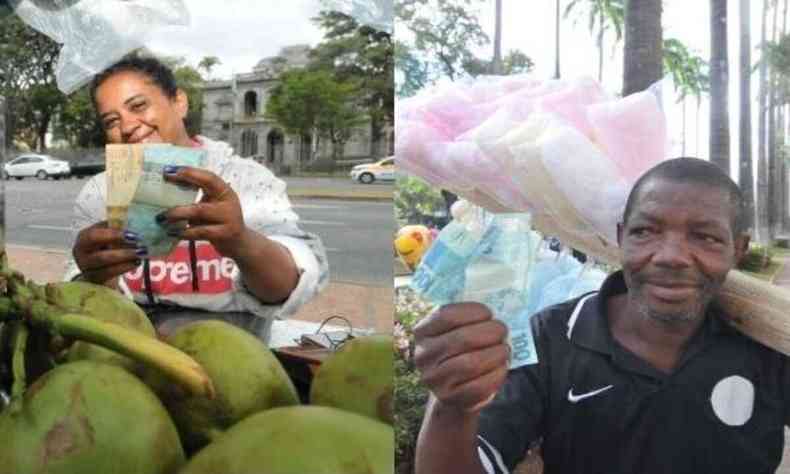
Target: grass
[768, 273]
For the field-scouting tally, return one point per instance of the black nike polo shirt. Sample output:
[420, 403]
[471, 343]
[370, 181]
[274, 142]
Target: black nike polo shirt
[599, 409]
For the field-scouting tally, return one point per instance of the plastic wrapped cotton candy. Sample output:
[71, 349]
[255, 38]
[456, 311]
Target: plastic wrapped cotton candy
[570, 103]
[97, 33]
[589, 180]
[529, 171]
[632, 131]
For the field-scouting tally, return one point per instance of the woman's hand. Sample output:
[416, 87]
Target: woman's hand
[267, 267]
[103, 254]
[217, 218]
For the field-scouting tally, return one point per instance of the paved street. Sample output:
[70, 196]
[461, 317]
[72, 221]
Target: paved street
[357, 234]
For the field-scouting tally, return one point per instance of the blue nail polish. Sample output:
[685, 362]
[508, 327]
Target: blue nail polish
[161, 217]
[141, 251]
[171, 169]
[130, 236]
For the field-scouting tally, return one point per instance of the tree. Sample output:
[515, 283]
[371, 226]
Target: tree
[689, 73]
[719, 152]
[496, 62]
[557, 40]
[208, 63]
[315, 104]
[352, 52]
[27, 80]
[515, 62]
[745, 174]
[77, 122]
[642, 52]
[601, 15]
[762, 162]
[439, 38]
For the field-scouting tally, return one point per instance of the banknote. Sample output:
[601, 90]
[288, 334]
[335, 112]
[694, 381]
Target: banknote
[489, 264]
[137, 191]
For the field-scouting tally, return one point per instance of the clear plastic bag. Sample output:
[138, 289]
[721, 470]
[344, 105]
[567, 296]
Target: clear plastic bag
[97, 33]
[378, 14]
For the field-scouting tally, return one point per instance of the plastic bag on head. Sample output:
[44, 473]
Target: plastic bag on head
[97, 33]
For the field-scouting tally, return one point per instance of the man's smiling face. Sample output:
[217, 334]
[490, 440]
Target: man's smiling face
[134, 109]
[678, 245]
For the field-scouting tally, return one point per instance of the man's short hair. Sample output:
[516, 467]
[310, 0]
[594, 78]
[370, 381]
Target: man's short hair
[696, 171]
[154, 69]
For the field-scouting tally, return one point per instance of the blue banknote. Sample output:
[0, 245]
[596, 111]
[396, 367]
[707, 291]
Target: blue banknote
[489, 265]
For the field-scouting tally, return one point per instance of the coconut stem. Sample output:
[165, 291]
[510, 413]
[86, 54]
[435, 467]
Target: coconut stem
[18, 360]
[169, 360]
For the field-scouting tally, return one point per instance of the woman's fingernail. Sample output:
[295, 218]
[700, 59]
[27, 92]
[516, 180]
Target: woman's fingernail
[171, 169]
[161, 217]
[130, 236]
[141, 251]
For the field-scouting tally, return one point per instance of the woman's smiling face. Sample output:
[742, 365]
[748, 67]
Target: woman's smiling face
[134, 109]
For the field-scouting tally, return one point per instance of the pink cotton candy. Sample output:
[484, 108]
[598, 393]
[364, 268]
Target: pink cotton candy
[632, 132]
[571, 102]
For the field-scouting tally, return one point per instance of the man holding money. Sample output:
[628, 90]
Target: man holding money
[241, 252]
[643, 376]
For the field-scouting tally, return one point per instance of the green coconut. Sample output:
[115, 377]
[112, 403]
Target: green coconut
[358, 378]
[103, 304]
[300, 440]
[246, 375]
[88, 417]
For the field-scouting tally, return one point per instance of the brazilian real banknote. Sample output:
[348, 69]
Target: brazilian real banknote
[485, 260]
[137, 191]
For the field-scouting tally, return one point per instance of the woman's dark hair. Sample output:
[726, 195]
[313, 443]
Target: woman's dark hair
[160, 74]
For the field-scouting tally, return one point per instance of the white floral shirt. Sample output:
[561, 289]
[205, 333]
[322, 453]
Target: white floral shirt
[266, 209]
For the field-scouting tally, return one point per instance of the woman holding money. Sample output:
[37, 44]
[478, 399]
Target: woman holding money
[241, 251]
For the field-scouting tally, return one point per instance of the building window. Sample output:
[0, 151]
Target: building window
[250, 104]
[225, 125]
[249, 143]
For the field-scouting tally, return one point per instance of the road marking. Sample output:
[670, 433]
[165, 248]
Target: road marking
[314, 206]
[49, 227]
[310, 222]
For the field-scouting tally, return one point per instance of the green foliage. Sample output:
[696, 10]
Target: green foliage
[313, 103]
[439, 39]
[605, 14]
[190, 81]
[410, 400]
[756, 259]
[360, 54]
[689, 71]
[27, 80]
[514, 62]
[77, 122]
[208, 63]
[413, 198]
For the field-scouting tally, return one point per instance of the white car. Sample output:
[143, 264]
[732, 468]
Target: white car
[40, 166]
[383, 170]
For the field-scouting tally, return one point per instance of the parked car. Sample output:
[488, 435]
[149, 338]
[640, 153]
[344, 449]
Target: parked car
[40, 166]
[383, 170]
[82, 169]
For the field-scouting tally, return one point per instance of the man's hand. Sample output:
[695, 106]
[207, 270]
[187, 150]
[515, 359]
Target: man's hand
[462, 354]
[103, 254]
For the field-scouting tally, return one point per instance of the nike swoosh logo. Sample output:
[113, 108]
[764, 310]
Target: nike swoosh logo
[577, 398]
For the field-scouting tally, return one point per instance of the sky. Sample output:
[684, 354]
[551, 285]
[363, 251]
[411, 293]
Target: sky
[529, 26]
[239, 32]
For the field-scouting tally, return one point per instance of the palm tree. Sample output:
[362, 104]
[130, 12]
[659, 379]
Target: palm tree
[642, 53]
[208, 63]
[719, 146]
[496, 64]
[773, 167]
[557, 41]
[689, 73]
[602, 15]
[745, 175]
[762, 162]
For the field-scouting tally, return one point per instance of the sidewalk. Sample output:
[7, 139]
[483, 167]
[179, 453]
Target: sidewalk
[366, 307]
